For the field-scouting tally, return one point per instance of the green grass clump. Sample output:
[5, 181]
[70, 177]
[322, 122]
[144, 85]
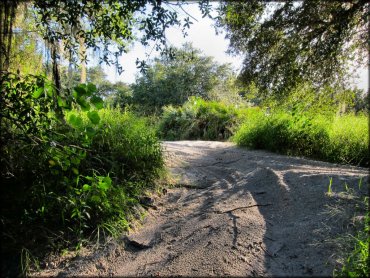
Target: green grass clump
[200, 119]
[357, 263]
[336, 139]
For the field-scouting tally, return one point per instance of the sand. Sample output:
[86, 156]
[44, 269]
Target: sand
[233, 212]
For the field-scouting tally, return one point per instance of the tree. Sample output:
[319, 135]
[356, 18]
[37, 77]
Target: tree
[291, 42]
[25, 53]
[117, 95]
[97, 24]
[71, 76]
[177, 75]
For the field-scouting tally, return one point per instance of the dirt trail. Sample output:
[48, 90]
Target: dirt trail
[237, 212]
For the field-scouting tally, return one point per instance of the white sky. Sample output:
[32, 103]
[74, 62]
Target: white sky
[203, 36]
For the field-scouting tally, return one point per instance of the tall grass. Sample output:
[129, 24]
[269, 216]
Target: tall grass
[349, 140]
[342, 139]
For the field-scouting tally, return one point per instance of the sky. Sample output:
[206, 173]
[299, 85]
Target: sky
[203, 36]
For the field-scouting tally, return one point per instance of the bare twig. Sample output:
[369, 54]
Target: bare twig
[256, 205]
[267, 252]
[188, 13]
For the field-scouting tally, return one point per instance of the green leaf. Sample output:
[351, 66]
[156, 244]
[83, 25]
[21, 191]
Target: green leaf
[90, 131]
[68, 103]
[85, 106]
[93, 117]
[49, 90]
[38, 92]
[95, 198]
[97, 102]
[75, 170]
[91, 88]
[89, 178]
[103, 186]
[80, 91]
[86, 187]
[75, 160]
[61, 102]
[107, 180]
[75, 121]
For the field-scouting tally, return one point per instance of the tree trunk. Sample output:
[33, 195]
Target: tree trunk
[83, 60]
[7, 17]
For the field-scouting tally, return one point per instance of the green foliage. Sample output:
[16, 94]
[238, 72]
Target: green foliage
[173, 78]
[65, 178]
[336, 139]
[282, 133]
[117, 95]
[349, 140]
[26, 105]
[281, 45]
[200, 119]
[327, 100]
[125, 143]
[101, 24]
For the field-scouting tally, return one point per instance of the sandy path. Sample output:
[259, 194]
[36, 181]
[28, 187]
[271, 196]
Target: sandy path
[238, 212]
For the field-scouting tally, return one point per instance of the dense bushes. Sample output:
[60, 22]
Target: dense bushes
[339, 139]
[336, 139]
[199, 119]
[64, 181]
[67, 191]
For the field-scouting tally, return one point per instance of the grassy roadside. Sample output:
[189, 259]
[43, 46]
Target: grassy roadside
[342, 139]
[80, 184]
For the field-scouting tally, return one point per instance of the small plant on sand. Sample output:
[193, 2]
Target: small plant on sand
[330, 185]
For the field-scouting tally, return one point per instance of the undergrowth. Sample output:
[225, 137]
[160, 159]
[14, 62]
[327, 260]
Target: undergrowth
[353, 258]
[200, 119]
[339, 139]
[357, 264]
[66, 182]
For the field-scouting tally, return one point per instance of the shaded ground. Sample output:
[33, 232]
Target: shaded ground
[234, 212]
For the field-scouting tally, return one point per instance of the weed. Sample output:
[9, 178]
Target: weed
[330, 185]
[356, 262]
[28, 260]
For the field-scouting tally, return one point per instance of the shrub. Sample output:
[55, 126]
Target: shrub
[200, 119]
